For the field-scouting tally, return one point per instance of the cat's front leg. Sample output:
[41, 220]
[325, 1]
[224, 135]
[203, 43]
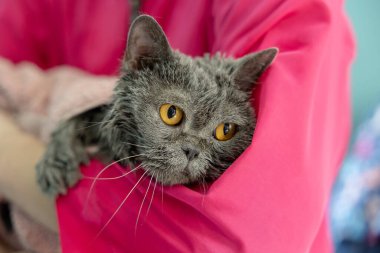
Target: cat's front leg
[59, 167]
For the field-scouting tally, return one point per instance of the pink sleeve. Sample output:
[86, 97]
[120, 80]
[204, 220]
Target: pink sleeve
[274, 197]
[285, 177]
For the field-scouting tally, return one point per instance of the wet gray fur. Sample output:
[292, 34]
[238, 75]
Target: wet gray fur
[210, 91]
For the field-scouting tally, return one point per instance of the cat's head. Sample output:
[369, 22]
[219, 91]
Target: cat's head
[185, 119]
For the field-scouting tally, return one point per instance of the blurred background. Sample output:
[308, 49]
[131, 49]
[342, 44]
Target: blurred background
[355, 202]
[365, 18]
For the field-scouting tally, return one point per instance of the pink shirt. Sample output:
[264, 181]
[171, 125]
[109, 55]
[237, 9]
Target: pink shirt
[274, 197]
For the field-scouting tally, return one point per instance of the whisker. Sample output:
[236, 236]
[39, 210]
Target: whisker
[99, 122]
[113, 178]
[92, 125]
[162, 195]
[109, 165]
[151, 200]
[132, 144]
[98, 175]
[204, 191]
[142, 204]
[121, 204]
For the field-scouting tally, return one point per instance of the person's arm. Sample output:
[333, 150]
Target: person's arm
[19, 153]
[303, 125]
[35, 99]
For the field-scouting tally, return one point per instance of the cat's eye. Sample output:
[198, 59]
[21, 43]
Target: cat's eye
[170, 114]
[225, 131]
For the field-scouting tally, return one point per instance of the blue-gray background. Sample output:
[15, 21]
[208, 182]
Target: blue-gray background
[365, 18]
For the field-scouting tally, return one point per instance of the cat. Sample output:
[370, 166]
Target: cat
[182, 120]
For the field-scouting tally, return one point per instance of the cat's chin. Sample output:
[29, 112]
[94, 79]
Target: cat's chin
[178, 178]
[178, 171]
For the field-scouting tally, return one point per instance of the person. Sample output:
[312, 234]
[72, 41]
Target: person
[272, 199]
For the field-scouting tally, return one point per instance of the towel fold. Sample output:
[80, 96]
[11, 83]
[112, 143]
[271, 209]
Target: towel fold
[40, 99]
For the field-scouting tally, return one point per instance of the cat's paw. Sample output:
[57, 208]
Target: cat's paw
[58, 170]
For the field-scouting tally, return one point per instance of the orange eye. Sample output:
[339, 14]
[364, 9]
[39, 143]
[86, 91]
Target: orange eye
[225, 131]
[170, 114]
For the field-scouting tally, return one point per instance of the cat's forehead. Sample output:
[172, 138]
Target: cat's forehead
[200, 88]
[203, 90]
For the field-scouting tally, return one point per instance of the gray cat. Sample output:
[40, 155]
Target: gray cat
[183, 119]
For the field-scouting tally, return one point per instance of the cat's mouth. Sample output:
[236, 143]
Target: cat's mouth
[173, 175]
[179, 178]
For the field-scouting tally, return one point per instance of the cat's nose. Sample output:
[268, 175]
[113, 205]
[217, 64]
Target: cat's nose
[190, 151]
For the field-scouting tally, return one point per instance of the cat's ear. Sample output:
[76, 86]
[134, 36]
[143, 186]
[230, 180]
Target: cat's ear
[146, 45]
[250, 67]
